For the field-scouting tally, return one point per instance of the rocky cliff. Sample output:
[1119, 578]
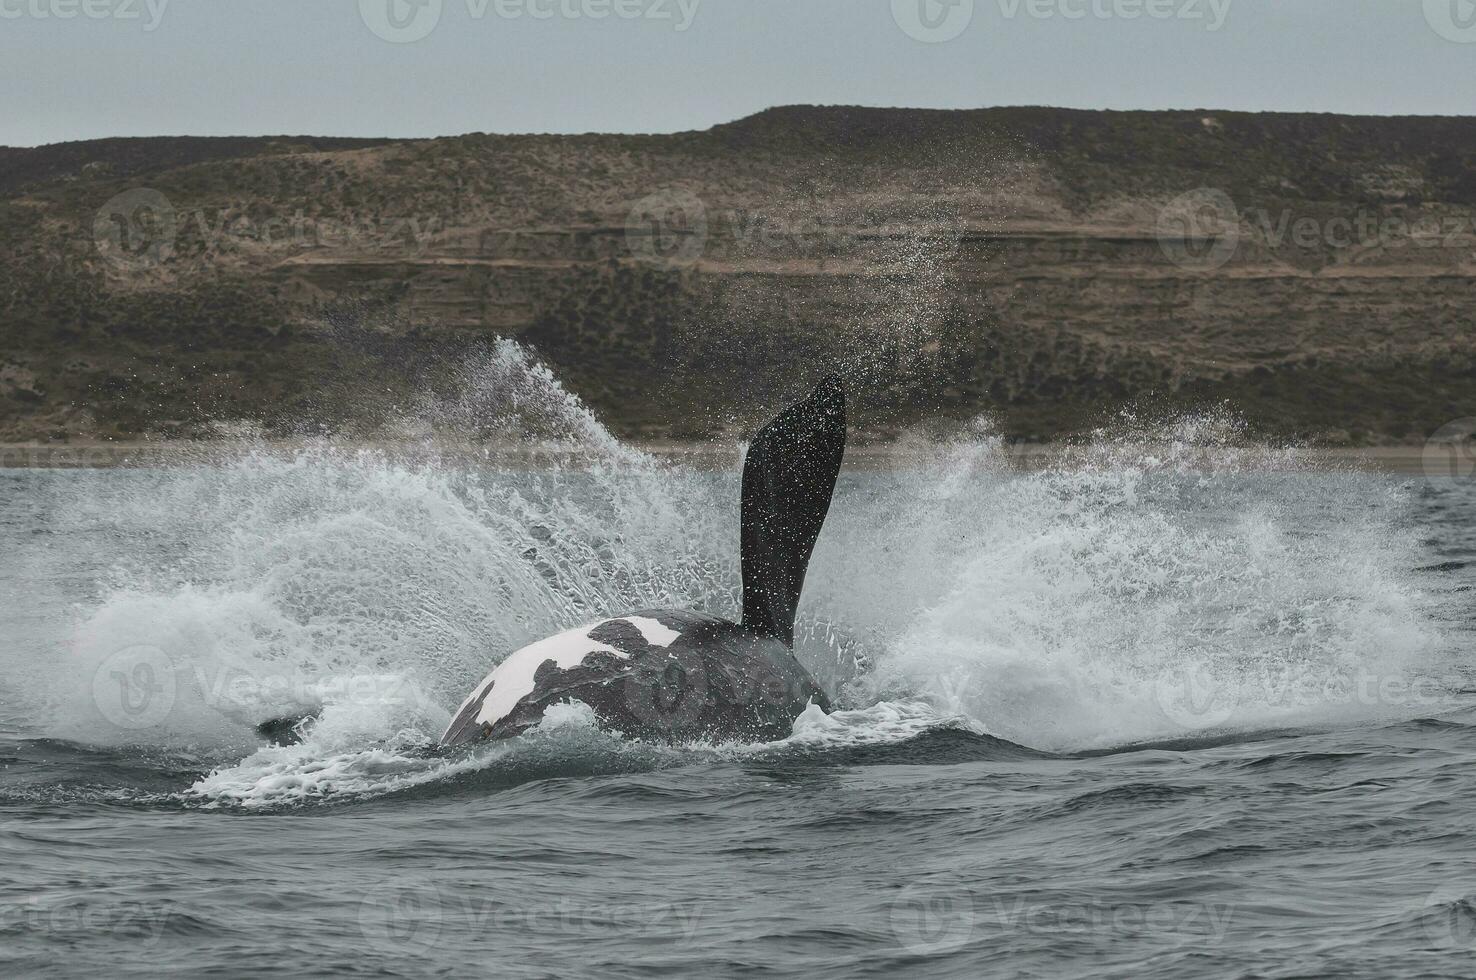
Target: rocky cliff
[1044, 267]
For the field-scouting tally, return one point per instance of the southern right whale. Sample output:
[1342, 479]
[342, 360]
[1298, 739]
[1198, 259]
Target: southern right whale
[679, 675]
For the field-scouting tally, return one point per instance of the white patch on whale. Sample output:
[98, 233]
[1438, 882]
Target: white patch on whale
[514, 678]
[656, 633]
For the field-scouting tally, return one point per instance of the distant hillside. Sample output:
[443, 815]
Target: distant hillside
[124, 157]
[1045, 267]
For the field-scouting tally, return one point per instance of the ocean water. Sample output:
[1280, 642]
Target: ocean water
[1164, 706]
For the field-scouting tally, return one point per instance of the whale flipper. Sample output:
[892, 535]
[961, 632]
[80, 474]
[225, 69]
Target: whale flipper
[788, 479]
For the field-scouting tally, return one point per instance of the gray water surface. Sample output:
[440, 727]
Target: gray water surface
[1112, 719]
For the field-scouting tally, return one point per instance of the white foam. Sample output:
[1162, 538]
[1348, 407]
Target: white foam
[1072, 602]
[1047, 606]
[882, 723]
[291, 775]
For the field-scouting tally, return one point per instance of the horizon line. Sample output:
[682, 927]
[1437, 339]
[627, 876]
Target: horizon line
[739, 119]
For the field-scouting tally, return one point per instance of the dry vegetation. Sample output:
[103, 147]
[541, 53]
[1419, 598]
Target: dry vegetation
[1006, 262]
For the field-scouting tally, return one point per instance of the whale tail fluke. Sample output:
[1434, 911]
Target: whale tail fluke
[788, 479]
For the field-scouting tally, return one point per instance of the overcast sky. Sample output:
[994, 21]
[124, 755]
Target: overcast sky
[79, 69]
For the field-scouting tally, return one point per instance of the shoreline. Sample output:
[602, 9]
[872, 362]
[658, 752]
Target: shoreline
[1412, 460]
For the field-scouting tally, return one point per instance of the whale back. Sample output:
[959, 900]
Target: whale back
[666, 674]
[788, 479]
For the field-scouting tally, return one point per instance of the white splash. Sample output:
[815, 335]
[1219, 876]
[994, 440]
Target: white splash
[1048, 606]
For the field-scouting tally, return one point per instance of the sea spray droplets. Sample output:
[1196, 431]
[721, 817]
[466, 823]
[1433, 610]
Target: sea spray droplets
[1042, 606]
[509, 397]
[330, 561]
[1075, 590]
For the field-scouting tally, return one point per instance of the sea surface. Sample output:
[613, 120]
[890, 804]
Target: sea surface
[1164, 706]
